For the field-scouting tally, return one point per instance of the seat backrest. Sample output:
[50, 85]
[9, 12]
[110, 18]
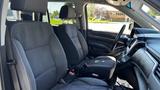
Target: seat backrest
[40, 59]
[72, 40]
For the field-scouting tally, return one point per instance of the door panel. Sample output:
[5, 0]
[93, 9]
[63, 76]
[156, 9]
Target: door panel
[100, 43]
[104, 23]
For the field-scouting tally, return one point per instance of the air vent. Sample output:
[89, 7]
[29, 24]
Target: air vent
[157, 72]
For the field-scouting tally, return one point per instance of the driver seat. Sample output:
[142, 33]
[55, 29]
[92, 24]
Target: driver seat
[76, 48]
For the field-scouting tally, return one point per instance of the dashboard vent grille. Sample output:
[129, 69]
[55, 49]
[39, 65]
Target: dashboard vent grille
[157, 71]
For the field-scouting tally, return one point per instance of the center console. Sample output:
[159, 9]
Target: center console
[101, 67]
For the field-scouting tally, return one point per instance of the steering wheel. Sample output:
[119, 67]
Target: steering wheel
[118, 37]
[132, 33]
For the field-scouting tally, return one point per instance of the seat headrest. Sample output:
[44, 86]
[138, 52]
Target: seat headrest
[39, 6]
[67, 12]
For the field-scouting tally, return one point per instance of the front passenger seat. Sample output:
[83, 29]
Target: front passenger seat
[40, 61]
[76, 48]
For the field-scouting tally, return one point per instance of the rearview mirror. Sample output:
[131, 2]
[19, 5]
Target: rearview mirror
[129, 5]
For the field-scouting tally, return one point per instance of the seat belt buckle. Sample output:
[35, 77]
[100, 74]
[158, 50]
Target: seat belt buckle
[72, 72]
[11, 62]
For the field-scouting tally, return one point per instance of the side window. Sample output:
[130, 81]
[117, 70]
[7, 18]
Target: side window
[107, 19]
[151, 12]
[12, 15]
[54, 11]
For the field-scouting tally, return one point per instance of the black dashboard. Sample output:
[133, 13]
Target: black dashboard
[147, 58]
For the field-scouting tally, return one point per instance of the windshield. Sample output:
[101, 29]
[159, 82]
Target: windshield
[151, 12]
[154, 3]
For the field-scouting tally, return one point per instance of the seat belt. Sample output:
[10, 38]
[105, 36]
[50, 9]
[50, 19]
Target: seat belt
[80, 21]
[11, 62]
[14, 75]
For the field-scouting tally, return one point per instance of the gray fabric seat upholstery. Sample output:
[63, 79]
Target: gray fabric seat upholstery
[73, 42]
[37, 55]
[75, 45]
[83, 84]
[40, 58]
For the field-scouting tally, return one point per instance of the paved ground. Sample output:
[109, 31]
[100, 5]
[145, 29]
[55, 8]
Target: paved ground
[109, 27]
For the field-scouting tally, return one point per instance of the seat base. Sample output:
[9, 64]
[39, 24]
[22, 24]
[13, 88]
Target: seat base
[83, 84]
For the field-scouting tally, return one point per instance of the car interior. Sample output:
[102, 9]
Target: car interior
[80, 45]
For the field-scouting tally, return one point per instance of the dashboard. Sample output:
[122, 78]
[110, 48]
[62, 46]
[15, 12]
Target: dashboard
[146, 58]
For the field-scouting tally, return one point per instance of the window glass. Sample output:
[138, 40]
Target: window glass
[106, 18]
[151, 12]
[12, 15]
[54, 11]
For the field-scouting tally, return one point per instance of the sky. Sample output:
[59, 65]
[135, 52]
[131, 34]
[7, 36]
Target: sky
[53, 6]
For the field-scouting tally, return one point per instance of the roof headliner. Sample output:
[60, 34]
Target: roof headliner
[93, 1]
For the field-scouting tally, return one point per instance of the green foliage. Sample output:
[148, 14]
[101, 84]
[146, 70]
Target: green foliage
[90, 10]
[93, 20]
[56, 21]
[55, 14]
[54, 18]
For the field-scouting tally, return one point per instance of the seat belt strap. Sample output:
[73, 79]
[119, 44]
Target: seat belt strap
[14, 76]
[12, 63]
[80, 22]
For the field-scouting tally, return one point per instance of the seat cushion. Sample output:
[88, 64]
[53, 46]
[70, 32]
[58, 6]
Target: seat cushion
[84, 83]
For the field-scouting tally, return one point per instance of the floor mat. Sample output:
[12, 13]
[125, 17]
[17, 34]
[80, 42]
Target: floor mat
[122, 85]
